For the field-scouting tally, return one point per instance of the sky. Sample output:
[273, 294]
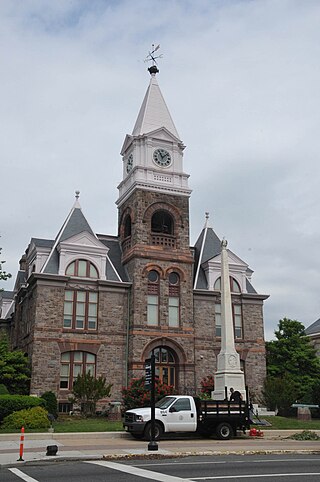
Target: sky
[241, 79]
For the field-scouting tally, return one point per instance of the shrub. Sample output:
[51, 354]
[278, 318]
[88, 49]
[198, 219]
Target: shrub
[13, 403]
[51, 403]
[88, 390]
[33, 418]
[136, 395]
[207, 385]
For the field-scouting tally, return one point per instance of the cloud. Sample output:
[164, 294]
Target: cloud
[241, 79]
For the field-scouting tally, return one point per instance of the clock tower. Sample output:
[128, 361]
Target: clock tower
[153, 225]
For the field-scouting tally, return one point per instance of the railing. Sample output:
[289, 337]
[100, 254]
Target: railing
[126, 243]
[166, 240]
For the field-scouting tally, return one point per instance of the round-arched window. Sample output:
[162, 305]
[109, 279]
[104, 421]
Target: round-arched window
[166, 365]
[162, 222]
[82, 268]
[234, 285]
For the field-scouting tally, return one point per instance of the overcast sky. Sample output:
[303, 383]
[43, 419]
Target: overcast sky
[241, 80]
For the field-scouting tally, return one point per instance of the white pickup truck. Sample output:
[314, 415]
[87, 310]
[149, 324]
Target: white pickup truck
[182, 413]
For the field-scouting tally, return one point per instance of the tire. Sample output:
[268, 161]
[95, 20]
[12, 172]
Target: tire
[158, 431]
[224, 431]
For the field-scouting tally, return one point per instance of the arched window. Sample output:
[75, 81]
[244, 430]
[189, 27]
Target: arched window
[166, 365]
[153, 298]
[127, 226]
[82, 268]
[234, 285]
[174, 300]
[74, 363]
[162, 222]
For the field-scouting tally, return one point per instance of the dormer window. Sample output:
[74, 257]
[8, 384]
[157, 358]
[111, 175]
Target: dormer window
[82, 269]
[234, 285]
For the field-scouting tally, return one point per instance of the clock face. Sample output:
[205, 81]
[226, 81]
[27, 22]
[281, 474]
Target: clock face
[162, 157]
[129, 164]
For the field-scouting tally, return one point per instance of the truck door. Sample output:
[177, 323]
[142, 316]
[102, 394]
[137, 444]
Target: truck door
[181, 416]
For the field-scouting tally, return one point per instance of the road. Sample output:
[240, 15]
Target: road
[235, 468]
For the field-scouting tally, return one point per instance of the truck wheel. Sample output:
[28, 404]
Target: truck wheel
[158, 431]
[224, 431]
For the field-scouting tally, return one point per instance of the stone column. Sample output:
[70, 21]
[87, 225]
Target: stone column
[228, 372]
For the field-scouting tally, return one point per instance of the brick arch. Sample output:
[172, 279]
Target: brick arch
[176, 269]
[126, 212]
[150, 267]
[161, 206]
[165, 342]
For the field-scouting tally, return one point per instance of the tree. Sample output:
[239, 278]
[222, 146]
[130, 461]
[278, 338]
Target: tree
[14, 368]
[3, 274]
[137, 395]
[292, 357]
[88, 390]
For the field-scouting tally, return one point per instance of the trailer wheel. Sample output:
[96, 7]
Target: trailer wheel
[224, 431]
[158, 431]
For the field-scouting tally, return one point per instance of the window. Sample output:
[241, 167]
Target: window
[166, 365]
[237, 320]
[153, 298]
[234, 285]
[218, 318]
[74, 363]
[182, 404]
[80, 310]
[174, 300]
[127, 226]
[82, 268]
[162, 222]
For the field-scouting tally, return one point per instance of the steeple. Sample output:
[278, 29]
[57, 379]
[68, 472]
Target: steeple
[152, 155]
[154, 112]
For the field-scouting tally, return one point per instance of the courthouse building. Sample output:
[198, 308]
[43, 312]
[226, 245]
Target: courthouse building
[85, 301]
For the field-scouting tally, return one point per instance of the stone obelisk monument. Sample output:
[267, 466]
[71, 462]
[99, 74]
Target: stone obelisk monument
[228, 372]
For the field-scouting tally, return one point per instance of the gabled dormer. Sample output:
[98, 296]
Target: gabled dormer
[152, 155]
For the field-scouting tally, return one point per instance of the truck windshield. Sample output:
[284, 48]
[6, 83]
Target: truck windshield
[165, 402]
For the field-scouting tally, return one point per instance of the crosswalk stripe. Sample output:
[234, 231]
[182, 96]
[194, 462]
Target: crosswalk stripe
[147, 474]
[23, 476]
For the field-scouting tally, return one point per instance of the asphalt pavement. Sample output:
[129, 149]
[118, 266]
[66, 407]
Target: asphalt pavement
[120, 445]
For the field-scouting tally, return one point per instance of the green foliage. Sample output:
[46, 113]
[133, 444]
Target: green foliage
[279, 393]
[3, 389]
[305, 435]
[3, 274]
[292, 357]
[51, 403]
[36, 417]
[136, 395]
[87, 390]
[13, 403]
[14, 368]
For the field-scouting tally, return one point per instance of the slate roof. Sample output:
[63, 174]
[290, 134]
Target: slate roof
[7, 295]
[211, 248]
[314, 328]
[114, 255]
[42, 243]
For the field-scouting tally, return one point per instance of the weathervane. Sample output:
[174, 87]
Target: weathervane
[153, 58]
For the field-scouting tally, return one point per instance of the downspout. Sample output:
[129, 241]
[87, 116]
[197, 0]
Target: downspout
[127, 341]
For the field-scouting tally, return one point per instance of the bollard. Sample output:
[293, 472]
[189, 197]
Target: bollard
[20, 459]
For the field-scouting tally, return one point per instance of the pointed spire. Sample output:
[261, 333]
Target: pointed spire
[154, 112]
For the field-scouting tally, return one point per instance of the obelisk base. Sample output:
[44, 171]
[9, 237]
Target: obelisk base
[228, 379]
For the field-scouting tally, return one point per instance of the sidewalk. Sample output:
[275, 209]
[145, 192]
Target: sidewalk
[86, 446]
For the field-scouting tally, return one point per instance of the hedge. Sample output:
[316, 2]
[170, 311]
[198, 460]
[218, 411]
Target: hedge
[13, 403]
[35, 418]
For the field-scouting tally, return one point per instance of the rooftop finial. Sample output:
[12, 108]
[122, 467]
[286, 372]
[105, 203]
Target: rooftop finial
[77, 195]
[207, 219]
[152, 58]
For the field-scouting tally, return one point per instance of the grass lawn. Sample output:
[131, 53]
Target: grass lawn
[283, 423]
[76, 424]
